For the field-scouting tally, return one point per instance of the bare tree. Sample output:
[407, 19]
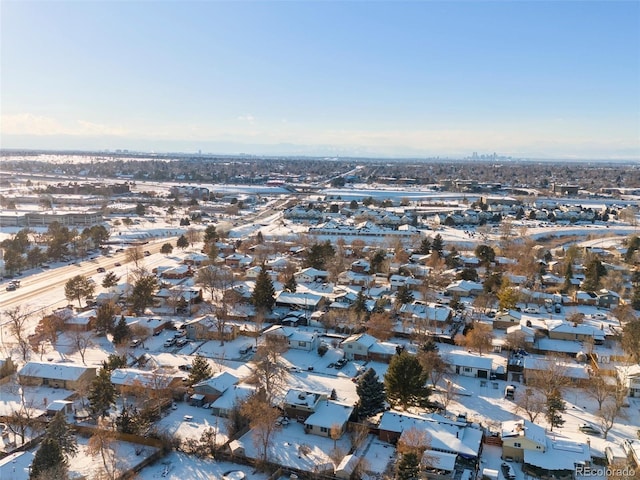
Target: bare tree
[102, 443]
[135, 256]
[193, 235]
[607, 415]
[269, 370]
[218, 281]
[433, 363]
[478, 338]
[531, 402]
[599, 389]
[19, 318]
[549, 376]
[80, 342]
[515, 340]
[380, 326]
[262, 419]
[448, 394]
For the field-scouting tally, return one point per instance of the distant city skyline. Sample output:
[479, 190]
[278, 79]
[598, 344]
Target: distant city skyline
[389, 79]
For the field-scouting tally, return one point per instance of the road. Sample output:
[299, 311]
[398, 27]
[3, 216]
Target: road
[44, 291]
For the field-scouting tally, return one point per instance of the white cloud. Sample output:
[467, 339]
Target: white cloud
[247, 118]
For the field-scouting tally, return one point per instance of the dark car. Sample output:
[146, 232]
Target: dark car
[101, 270]
[117, 264]
[507, 471]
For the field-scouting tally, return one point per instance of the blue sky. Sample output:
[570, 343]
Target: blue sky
[527, 79]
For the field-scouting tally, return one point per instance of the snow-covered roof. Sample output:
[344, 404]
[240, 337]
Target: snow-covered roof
[54, 371]
[562, 455]
[465, 359]
[439, 460]
[220, 382]
[147, 379]
[300, 397]
[231, 396]
[329, 413]
[362, 338]
[304, 299]
[16, 465]
[524, 428]
[444, 436]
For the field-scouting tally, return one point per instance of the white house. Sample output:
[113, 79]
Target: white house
[309, 275]
[629, 376]
[298, 339]
[469, 364]
[327, 416]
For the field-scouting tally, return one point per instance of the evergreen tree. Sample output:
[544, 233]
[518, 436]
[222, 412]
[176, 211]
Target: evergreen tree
[377, 260]
[404, 295]
[568, 275]
[291, 285]
[102, 393]
[48, 459]
[318, 255]
[359, 306]
[110, 280]
[371, 394]
[121, 332]
[114, 361]
[182, 242]
[406, 382]
[555, 408]
[59, 431]
[105, 318]
[200, 370]
[166, 248]
[408, 467]
[425, 246]
[142, 294]
[263, 293]
[594, 270]
[437, 245]
[210, 234]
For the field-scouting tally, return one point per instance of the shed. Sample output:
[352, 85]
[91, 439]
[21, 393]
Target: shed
[56, 406]
[197, 399]
[347, 466]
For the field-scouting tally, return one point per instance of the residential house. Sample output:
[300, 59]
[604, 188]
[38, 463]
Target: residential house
[329, 419]
[299, 404]
[542, 456]
[506, 319]
[464, 288]
[238, 260]
[445, 435]
[81, 322]
[214, 387]
[608, 298]
[363, 346]
[426, 315]
[299, 300]
[585, 298]
[578, 373]
[562, 330]
[230, 398]
[361, 266]
[137, 381]
[177, 273]
[69, 376]
[206, 328]
[629, 376]
[469, 364]
[518, 436]
[310, 275]
[295, 338]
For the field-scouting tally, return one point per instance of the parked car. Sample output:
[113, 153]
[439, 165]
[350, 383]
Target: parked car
[507, 471]
[117, 264]
[101, 270]
[147, 253]
[11, 287]
[170, 342]
[181, 342]
[588, 428]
